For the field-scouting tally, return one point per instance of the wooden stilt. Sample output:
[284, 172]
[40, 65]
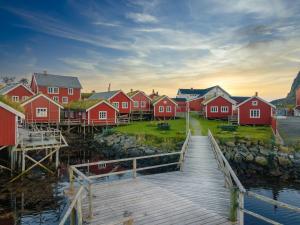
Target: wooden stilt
[57, 159]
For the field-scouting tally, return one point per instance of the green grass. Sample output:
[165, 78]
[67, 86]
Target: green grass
[16, 105]
[258, 133]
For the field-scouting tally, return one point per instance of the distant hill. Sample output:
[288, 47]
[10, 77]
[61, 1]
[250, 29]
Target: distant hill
[291, 97]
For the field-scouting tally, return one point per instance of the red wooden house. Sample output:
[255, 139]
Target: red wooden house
[219, 107]
[255, 111]
[154, 94]
[9, 124]
[141, 102]
[92, 112]
[41, 109]
[195, 104]
[17, 92]
[61, 89]
[181, 105]
[164, 107]
[118, 99]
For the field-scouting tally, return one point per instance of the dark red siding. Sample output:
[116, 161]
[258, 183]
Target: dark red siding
[63, 92]
[219, 102]
[53, 114]
[21, 92]
[121, 97]
[93, 115]
[266, 113]
[165, 102]
[8, 126]
[195, 105]
[140, 97]
[181, 107]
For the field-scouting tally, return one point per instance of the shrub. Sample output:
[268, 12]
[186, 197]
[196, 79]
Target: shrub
[163, 126]
[231, 128]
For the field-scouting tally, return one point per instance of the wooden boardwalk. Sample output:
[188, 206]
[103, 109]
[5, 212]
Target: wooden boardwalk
[195, 195]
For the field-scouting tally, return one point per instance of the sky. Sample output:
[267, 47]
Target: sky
[243, 46]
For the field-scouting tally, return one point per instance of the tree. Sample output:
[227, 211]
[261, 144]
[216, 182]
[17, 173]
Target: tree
[7, 79]
[24, 81]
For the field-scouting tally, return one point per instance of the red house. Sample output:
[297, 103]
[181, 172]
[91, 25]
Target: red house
[61, 89]
[92, 112]
[17, 92]
[141, 102]
[255, 111]
[41, 109]
[181, 105]
[195, 104]
[118, 99]
[9, 124]
[164, 107]
[154, 94]
[218, 107]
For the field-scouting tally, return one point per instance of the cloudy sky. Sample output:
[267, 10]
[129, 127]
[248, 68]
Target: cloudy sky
[243, 46]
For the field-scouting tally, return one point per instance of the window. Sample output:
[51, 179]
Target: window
[53, 90]
[168, 109]
[136, 104]
[160, 109]
[70, 91]
[254, 113]
[102, 166]
[143, 104]
[15, 98]
[102, 115]
[24, 98]
[55, 98]
[224, 109]
[41, 112]
[65, 99]
[124, 105]
[116, 104]
[214, 109]
[254, 103]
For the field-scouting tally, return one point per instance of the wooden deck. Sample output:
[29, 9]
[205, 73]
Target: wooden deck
[194, 196]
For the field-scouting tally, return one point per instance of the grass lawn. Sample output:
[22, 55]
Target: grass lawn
[177, 129]
[258, 133]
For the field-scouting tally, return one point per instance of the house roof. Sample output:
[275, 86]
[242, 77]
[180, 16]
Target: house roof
[179, 99]
[49, 80]
[4, 90]
[32, 98]
[12, 110]
[82, 104]
[100, 102]
[11, 106]
[133, 93]
[239, 99]
[159, 98]
[104, 95]
[211, 99]
[249, 99]
[193, 91]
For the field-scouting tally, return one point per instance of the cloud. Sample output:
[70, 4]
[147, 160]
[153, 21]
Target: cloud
[142, 18]
[107, 24]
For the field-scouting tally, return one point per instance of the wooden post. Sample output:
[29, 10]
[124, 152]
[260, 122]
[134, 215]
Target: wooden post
[181, 161]
[56, 159]
[79, 211]
[233, 204]
[134, 168]
[71, 178]
[23, 160]
[90, 195]
[241, 208]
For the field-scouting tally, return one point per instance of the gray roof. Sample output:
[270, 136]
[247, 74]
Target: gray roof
[8, 87]
[199, 92]
[103, 95]
[239, 99]
[49, 80]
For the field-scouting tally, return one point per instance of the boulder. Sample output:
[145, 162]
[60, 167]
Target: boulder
[261, 160]
[249, 157]
[230, 144]
[284, 161]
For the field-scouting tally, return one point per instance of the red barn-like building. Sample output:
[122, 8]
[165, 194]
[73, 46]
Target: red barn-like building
[141, 102]
[9, 124]
[118, 99]
[195, 104]
[255, 111]
[181, 105]
[61, 89]
[41, 109]
[164, 107]
[218, 107]
[17, 92]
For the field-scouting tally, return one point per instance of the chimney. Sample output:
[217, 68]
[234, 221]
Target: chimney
[256, 94]
[153, 91]
[192, 88]
[157, 93]
[131, 90]
[108, 89]
[45, 71]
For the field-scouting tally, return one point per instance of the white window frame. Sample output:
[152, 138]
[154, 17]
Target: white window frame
[53, 90]
[102, 115]
[101, 165]
[143, 104]
[214, 109]
[40, 114]
[70, 91]
[135, 104]
[55, 97]
[124, 105]
[254, 103]
[24, 98]
[15, 98]
[161, 108]
[168, 108]
[254, 113]
[224, 109]
[63, 100]
[116, 104]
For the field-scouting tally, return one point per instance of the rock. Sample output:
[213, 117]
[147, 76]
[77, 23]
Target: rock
[264, 152]
[284, 161]
[276, 173]
[284, 149]
[260, 160]
[249, 157]
[297, 155]
[230, 144]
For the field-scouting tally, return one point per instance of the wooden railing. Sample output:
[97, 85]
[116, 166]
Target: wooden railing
[86, 181]
[238, 191]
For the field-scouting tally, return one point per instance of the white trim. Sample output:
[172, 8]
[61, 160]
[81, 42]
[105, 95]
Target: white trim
[102, 101]
[64, 97]
[126, 105]
[134, 104]
[224, 107]
[41, 95]
[105, 113]
[161, 107]
[116, 104]
[168, 106]
[249, 99]
[214, 107]
[19, 86]
[258, 115]
[45, 109]
[118, 93]
[53, 93]
[15, 98]
[12, 110]
[138, 91]
[163, 97]
[227, 99]
[256, 103]
[72, 91]
[143, 105]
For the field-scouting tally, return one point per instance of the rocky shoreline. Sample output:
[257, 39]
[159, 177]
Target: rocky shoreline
[255, 159]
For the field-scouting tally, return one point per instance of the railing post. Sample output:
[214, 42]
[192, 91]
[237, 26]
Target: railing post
[90, 196]
[234, 205]
[241, 208]
[71, 178]
[79, 211]
[134, 168]
[181, 161]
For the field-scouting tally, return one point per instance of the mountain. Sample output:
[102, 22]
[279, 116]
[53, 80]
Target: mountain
[291, 96]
